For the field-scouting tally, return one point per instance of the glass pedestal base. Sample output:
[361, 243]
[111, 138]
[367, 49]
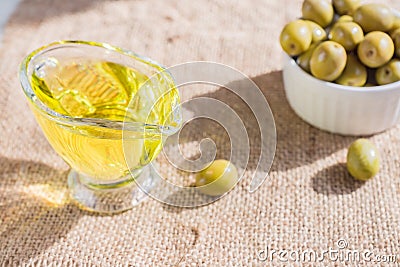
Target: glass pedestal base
[112, 198]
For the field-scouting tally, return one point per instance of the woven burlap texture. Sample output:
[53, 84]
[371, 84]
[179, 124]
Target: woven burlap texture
[308, 202]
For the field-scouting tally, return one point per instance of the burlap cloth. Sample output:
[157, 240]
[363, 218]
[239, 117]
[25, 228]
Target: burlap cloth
[309, 201]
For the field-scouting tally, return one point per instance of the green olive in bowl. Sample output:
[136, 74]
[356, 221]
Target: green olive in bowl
[328, 61]
[296, 37]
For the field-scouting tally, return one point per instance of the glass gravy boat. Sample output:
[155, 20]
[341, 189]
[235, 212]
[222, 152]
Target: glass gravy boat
[106, 111]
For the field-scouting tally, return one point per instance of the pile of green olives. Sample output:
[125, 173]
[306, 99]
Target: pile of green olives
[346, 42]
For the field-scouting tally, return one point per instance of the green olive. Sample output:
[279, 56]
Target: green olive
[328, 61]
[354, 74]
[218, 178]
[396, 23]
[363, 159]
[348, 34]
[396, 39]
[344, 18]
[346, 6]
[304, 59]
[318, 33]
[319, 11]
[296, 37]
[376, 49]
[388, 73]
[374, 17]
[393, 33]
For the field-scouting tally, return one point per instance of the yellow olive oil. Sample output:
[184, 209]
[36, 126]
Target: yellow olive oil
[103, 91]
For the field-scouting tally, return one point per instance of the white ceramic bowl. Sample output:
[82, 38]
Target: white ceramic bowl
[341, 109]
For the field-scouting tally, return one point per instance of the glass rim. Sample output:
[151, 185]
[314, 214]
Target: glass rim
[75, 121]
